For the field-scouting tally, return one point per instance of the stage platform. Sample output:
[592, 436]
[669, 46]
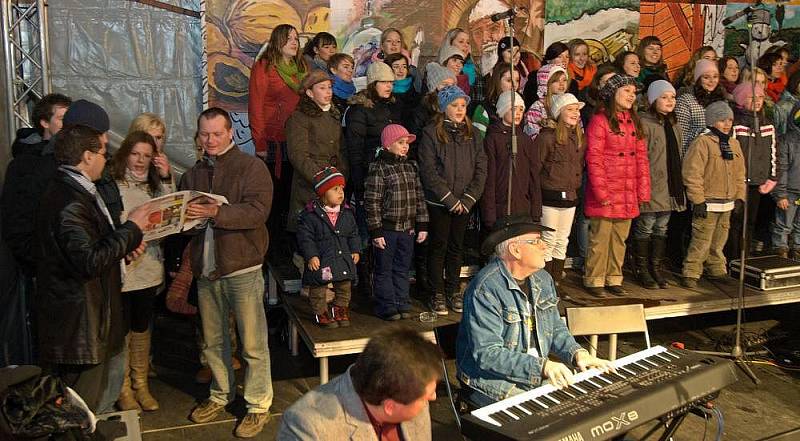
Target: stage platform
[675, 301]
[324, 343]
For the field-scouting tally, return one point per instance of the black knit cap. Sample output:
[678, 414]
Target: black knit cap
[508, 227]
[614, 83]
[503, 45]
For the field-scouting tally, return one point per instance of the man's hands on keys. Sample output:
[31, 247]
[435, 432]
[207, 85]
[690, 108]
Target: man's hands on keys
[558, 374]
[585, 361]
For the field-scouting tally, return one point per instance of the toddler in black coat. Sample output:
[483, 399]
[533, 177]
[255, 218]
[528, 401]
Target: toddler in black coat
[327, 237]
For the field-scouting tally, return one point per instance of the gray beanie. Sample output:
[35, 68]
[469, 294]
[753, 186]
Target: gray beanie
[658, 88]
[436, 73]
[717, 111]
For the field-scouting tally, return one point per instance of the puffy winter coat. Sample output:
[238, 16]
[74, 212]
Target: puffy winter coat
[451, 171]
[763, 149]
[525, 190]
[654, 132]
[618, 169]
[789, 161]
[271, 102]
[332, 244]
[314, 141]
[562, 168]
[365, 120]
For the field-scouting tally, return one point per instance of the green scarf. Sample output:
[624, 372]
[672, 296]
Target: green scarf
[291, 74]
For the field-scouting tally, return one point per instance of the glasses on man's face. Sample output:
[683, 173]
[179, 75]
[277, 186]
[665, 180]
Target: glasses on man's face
[530, 241]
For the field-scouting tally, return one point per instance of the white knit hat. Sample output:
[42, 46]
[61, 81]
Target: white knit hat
[558, 102]
[504, 102]
[379, 71]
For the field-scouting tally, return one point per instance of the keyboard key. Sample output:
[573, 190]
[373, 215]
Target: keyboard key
[531, 406]
[555, 401]
[543, 403]
[560, 396]
[600, 377]
[522, 411]
[501, 417]
[517, 414]
[577, 390]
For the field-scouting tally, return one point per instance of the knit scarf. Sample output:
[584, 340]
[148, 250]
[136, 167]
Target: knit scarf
[724, 145]
[582, 76]
[343, 89]
[674, 181]
[131, 176]
[402, 86]
[291, 74]
[470, 70]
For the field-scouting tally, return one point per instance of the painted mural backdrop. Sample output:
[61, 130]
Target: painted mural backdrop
[236, 30]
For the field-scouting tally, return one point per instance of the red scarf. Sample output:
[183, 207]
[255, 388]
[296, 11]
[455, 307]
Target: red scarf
[582, 76]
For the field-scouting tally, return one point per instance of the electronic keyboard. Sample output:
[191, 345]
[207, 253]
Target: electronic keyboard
[657, 382]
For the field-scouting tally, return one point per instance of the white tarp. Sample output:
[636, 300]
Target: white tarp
[131, 58]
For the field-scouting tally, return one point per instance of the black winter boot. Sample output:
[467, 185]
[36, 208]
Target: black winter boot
[658, 257]
[641, 256]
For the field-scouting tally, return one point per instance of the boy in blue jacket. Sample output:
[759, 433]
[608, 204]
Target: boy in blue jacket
[327, 237]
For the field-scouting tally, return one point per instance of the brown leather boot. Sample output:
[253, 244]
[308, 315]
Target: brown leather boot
[126, 400]
[140, 365]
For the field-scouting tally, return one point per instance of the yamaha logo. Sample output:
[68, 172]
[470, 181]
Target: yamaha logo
[572, 437]
[615, 423]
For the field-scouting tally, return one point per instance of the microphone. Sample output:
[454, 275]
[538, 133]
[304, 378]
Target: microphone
[504, 15]
[737, 16]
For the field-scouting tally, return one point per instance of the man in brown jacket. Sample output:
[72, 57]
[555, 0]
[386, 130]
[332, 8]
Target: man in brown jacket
[226, 259]
[714, 177]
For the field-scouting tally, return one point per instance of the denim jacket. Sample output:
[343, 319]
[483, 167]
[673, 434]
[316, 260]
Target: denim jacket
[494, 334]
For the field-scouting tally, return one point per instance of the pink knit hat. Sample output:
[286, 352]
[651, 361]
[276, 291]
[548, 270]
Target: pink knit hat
[704, 66]
[393, 132]
[743, 93]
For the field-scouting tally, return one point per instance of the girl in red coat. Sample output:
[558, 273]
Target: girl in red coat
[619, 180]
[274, 84]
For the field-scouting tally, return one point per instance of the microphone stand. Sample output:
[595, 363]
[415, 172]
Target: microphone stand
[513, 155]
[737, 353]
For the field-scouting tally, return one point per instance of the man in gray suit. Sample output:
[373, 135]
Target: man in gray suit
[383, 396]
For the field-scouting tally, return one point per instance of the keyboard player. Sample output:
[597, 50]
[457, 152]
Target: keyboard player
[502, 349]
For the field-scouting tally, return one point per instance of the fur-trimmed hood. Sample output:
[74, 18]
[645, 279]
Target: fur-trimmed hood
[310, 108]
[361, 98]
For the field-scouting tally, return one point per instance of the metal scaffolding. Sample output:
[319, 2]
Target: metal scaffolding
[27, 58]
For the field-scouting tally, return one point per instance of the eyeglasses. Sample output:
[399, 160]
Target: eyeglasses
[530, 241]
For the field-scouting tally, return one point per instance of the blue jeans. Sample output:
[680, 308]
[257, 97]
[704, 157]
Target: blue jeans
[117, 369]
[651, 224]
[244, 296]
[787, 224]
[390, 273]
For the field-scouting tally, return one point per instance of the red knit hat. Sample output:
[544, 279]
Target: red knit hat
[326, 179]
[393, 132]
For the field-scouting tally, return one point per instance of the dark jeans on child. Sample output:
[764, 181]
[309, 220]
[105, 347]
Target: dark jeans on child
[445, 249]
[390, 269]
[319, 303]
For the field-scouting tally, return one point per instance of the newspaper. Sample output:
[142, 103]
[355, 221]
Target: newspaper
[167, 214]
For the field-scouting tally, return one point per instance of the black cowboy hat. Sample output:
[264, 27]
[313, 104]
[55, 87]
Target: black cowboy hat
[510, 226]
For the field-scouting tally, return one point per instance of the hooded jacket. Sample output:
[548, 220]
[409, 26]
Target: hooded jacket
[454, 170]
[365, 120]
[762, 147]
[789, 161]
[526, 191]
[314, 141]
[654, 132]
